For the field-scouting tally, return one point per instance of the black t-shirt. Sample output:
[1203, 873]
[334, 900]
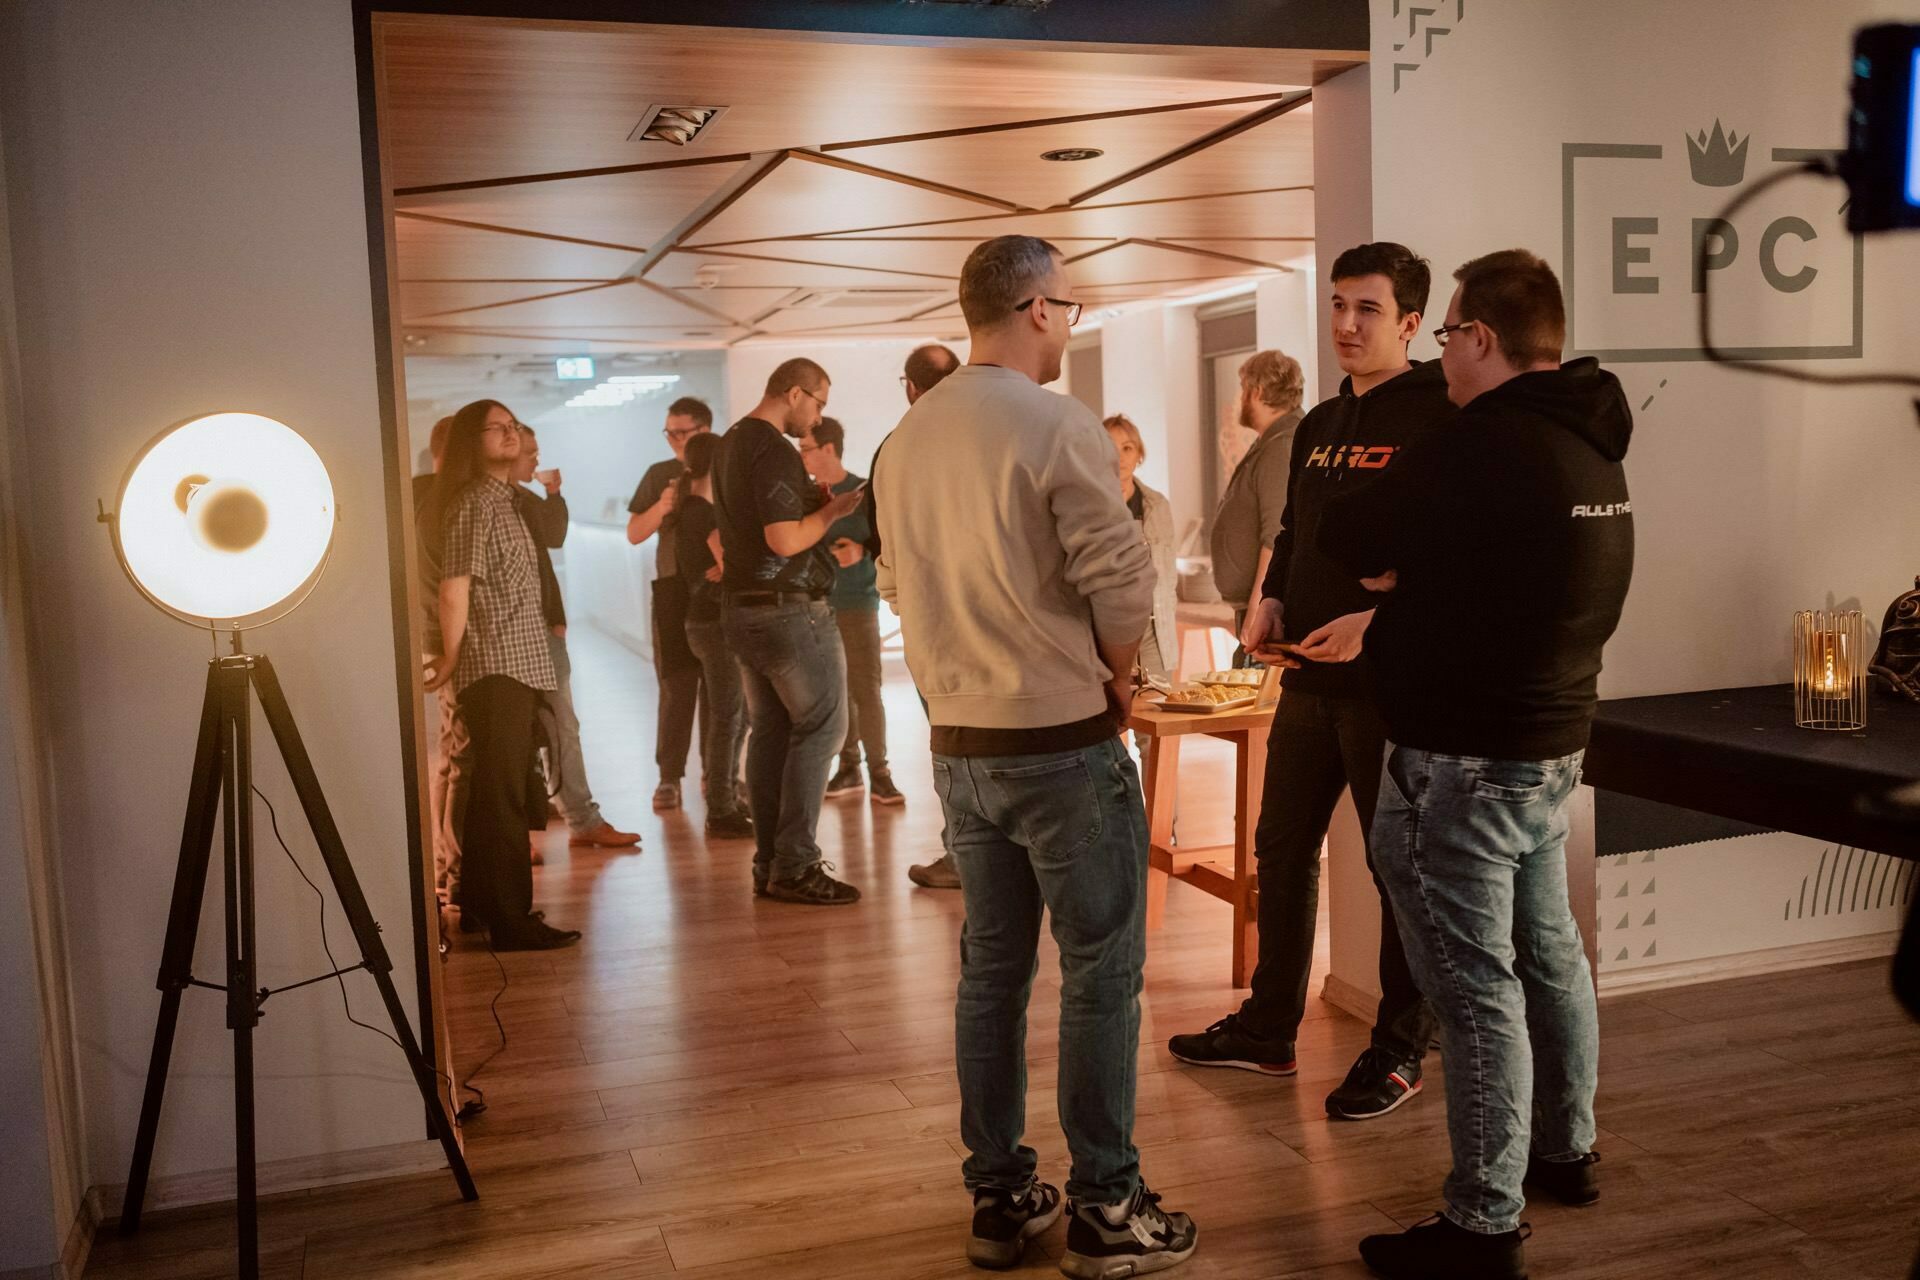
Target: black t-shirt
[1137, 504]
[693, 522]
[758, 480]
[658, 479]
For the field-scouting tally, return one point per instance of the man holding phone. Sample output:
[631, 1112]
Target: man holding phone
[856, 608]
[1309, 616]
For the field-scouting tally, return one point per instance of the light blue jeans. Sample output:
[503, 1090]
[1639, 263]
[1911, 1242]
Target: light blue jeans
[795, 680]
[1473, 853]
[1064, 834]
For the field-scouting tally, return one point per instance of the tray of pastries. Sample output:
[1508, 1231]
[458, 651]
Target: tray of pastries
[1208, 699]
[1246, 678]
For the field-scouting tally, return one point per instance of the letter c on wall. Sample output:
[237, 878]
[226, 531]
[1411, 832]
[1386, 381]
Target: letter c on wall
[1787, 226]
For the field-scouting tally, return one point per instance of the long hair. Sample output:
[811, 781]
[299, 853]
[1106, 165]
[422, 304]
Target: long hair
[464, 461]
[699, 460]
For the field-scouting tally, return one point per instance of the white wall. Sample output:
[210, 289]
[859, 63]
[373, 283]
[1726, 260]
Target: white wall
[189, 234]
[1287, 318]
[1150, 371]
[1344, 163]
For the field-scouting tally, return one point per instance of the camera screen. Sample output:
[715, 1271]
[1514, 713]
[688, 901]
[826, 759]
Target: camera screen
[1913, 131]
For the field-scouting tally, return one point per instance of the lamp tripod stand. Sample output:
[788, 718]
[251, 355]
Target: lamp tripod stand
[223, 781]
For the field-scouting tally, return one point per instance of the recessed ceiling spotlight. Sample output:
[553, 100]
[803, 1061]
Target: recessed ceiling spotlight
[1072, 153]
[677, 125]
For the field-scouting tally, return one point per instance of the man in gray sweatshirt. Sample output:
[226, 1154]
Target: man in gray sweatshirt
[1023, 589]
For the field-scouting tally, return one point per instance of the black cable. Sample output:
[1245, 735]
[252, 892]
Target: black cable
[339, 975]
[1820, 168]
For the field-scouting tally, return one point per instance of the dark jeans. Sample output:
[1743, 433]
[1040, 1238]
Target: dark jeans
[1475, 853]
[726, 716]
[496, 878]
[678, 668]
[866, 712]
[1065, 835]
[796, 687]
[1318, 748]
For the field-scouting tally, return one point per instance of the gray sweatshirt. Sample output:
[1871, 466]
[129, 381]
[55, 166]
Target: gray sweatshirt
[1006, 550]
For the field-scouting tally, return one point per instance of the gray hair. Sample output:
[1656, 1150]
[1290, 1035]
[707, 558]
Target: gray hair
[1000, 274]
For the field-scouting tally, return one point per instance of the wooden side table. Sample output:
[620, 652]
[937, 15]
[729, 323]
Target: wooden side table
[1228, 871]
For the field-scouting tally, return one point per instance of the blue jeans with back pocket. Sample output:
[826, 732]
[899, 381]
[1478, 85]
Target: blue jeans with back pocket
[1064, 834]
[1473, 852]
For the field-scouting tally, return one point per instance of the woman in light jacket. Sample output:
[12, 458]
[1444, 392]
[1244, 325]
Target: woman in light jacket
[1160, 647]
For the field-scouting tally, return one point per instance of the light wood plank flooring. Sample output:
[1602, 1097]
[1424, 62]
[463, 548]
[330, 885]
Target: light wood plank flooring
[717, 1088]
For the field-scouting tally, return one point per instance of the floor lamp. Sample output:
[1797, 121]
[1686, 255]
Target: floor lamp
[226, 522]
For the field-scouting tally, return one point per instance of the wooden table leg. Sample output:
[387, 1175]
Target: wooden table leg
[1250, 774]
[1160, 787]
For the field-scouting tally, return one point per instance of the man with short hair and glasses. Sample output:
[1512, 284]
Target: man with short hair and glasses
[1507, 539]
[1023, 588]
[773, 520]
[674, 662]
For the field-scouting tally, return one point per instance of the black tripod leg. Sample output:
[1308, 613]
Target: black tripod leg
[243, 1004]
[183, 926]
[366, 931]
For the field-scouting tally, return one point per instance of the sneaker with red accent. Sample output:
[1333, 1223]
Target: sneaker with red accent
[1228, 1043]
[1377, 1083]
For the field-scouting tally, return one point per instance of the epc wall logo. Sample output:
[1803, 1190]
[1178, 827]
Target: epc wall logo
[1785, 276]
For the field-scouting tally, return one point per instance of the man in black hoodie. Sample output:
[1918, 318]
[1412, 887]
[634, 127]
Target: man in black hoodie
[1327, 735]
[1502, 546]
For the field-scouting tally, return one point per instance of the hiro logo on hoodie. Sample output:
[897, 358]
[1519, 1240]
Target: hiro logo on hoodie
[1358, 456]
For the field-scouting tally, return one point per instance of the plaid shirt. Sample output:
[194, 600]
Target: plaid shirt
[506, 628]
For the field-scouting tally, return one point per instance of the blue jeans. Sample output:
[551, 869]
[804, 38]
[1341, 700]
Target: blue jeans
[795, 680]
[1473, 852]
[1065, 834]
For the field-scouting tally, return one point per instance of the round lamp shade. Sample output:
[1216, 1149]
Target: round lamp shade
[225, 517]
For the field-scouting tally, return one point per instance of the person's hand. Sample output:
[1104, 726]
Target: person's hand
[1120, 696]
[847, 552]
[1385, 582]
[560, 632]
[1262, 624]
[1267, 655]
[1339, 640]
[842, 505]
[439, 669]
[714, 573]
[668, 500]
[551, 479]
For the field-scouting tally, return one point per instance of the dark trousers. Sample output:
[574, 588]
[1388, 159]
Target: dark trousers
[678, 668]
[866, 709]
[1318, 748]
[496, 879]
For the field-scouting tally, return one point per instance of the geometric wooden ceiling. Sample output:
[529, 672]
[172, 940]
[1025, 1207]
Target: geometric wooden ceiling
[836, 196]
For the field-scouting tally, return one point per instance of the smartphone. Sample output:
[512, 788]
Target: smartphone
[1286, 647]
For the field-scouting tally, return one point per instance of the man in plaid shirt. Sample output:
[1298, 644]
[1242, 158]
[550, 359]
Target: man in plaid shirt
[496, 659]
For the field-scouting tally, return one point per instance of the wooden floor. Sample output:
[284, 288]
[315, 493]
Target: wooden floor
[714, 1087]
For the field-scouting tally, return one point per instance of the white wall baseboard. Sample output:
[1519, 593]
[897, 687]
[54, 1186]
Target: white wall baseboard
[1747, 964]
[301, 1173]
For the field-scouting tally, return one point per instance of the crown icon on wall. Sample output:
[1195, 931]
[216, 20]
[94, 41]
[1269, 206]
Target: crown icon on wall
[1720, 160]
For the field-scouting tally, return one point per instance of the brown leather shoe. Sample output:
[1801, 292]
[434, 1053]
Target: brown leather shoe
[605, 836]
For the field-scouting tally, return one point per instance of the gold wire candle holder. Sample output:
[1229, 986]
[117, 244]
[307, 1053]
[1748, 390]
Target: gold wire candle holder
[1829, 669]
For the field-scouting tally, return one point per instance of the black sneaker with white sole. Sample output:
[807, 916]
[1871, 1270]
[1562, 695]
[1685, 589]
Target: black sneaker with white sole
[1377, 1083]
[1109, 1242]
[1568, 1181]
[1003, 1222]
[844, 782]
[1227, 1043]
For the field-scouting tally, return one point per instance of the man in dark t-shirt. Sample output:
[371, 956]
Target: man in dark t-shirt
[674, 663]
[772, 521]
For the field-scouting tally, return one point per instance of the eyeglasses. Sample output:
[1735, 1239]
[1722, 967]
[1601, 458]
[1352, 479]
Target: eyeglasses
[819, 400]
[1446, 331]
[505, 427]
[681, 433]
[1073, 308]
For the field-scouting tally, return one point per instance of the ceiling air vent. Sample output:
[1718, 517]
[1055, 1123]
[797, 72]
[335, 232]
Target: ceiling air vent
[678, 125]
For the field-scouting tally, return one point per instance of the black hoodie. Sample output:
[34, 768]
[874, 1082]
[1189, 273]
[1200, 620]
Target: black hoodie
[1344, 444]
[1512, 535]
